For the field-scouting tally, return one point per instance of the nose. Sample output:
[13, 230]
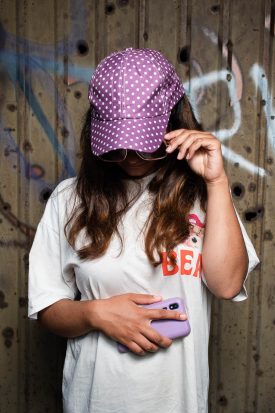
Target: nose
[194, 239]
[131, 155]
[133, 159]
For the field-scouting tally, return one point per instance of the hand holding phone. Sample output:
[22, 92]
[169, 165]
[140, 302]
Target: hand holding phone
[170, 328]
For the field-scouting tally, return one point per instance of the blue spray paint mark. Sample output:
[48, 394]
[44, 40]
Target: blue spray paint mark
[17, 77]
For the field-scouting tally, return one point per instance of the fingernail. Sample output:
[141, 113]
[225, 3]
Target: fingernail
[157, 297]
[183, 316]
[168, 149]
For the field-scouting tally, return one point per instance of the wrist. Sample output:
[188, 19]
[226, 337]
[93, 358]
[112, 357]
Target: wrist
[92, 314]
[220, 181]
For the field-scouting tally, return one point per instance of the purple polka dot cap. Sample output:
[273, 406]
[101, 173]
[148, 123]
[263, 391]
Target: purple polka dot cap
[132, 93]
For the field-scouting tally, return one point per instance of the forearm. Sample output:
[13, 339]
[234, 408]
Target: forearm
[224, 255]
[68, 318]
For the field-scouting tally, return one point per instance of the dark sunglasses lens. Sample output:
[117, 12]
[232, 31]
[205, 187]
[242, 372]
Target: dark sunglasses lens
[114, 156]
[158, 154]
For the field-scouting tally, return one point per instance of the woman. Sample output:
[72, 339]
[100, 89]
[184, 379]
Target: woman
[148, 217]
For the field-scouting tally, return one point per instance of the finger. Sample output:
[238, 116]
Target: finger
[184, 138]
[144, 298]
[145, 343]
[193, 148]
[155, 337]
[154, 314]
[186, 144]
[208, 144]
[135, 348]
[173, 133]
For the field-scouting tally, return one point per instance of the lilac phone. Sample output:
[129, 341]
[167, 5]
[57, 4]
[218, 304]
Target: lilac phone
[168, 328]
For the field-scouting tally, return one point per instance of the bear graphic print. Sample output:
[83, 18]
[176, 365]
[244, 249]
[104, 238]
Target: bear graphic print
[188, 253]
[196, 232]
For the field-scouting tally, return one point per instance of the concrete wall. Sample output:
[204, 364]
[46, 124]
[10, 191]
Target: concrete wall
[224, 52]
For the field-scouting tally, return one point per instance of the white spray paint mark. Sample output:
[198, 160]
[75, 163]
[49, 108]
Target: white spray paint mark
[233, 157]
[258, 76]
[224, 134]
[202, 81]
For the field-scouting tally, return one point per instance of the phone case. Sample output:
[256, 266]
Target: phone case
[168, 328]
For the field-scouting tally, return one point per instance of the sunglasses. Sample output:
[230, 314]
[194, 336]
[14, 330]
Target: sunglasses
[119, 155]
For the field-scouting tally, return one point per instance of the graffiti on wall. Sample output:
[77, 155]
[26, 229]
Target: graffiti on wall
[19, 58]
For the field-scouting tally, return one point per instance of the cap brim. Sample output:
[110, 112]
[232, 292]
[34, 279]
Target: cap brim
[140, 134]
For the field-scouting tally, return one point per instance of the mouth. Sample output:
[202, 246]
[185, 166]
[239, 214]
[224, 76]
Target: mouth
[133, 164]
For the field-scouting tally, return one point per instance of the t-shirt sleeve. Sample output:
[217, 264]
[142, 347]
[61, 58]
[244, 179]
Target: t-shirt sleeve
[51, 275]
[253, 260]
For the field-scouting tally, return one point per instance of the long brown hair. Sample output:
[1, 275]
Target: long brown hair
[104, 198]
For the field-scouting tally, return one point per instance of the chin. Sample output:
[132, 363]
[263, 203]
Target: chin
[140, 170]
[134, 173]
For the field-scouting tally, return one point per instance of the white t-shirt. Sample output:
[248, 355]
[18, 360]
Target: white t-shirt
[96, 377]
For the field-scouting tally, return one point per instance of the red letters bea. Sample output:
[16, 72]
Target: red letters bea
[188, 264]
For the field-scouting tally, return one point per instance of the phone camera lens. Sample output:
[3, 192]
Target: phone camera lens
[173, 306]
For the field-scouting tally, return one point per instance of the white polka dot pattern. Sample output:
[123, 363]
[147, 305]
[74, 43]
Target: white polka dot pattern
[132, 93]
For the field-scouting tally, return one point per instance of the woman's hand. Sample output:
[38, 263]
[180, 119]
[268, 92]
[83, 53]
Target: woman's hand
[202, 151]
[121, 318]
